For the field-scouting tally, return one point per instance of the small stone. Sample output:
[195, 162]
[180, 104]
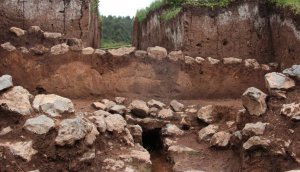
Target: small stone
[172, 130]
[35, 29]
[137, 132]
[199, 60]
[256, 141]
[254, 100]
[119, 109]
[278, 83]
[88, 51]
[251, 129]
[156, 104]
[99, 121]
[24, 50]
[92, 135]
[39, 125]
[115, 123]
[265, 67]
[294, 71]
[157, 52]
[39, 50]
[21, 149]
[232, 60]
[8, 46]
[120, 100]
[165, 114]
[75, 44]
[206, 133]
[180, 149]
[17, 31]
[109, 104]
[175, 55]
[59, 49]
[206, 114]
[139, 108]
[291, 110]
[121, 51]
[220, 139]
[52, 35]
[141, 54]
[99, 106]
[252, 63]
[5, 82]
[90, 155]
[176, 106]
[189, 60]
[5, 131]
[100, 52]
[212, 61]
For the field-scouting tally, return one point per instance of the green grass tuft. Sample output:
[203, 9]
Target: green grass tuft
[142, 13]
[209, 3]
[171, 13]
[294, 4]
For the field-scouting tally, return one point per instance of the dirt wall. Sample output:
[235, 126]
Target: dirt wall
[74, 18]
[75, 75]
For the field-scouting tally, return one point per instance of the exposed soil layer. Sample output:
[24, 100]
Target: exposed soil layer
[244, 29]
[75, 75]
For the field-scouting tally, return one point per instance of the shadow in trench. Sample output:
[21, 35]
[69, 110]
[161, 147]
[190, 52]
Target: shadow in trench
[152, 141]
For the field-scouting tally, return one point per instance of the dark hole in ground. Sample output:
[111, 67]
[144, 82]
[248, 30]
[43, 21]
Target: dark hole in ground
[152, 141]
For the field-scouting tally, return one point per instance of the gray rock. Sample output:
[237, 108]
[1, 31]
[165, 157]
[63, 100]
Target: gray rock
[141, 54]
[115, 123]
[157, 52]
[206, 133]
[52, 35]
[75, 44]
[136, 132]
[232, 60]
[88, 51]
[5, 131]
[254, 100]
[252, 63]
[59, 49]
[39, 125]
[100, 52]
[119, 109]
[212, 61]
[99, 121]
[17, 100]
[120, 100]
[265, 67]
[172, 130]
[278, 83]
[199, 60]
[206, 114]
[89, 155]
[5, 82]
[8, 46]
[71, 130]
[256, 141]
[156, 104]
[39, 50]
[251, 129]
[189, 60]
[99, 106]
[294, 71]
[21, 149]
[165, 114]
[175, 55]
[53, 105]
[291, 110]
[108, 103]
[139, 108]
[17, 31]
[220, 139]
[24, 50]
[101, 113]
[176, 106]
[121, 51]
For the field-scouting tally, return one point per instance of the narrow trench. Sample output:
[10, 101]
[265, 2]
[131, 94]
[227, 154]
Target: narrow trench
[152, 141]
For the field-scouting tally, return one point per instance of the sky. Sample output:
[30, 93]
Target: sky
[122, 7]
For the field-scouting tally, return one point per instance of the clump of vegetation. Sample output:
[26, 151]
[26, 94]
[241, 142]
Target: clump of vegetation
[116, 31]
[209, 3]
[171, 13]
[294, 4]
[142, 13]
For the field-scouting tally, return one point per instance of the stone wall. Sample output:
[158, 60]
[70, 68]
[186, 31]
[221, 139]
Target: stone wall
[74, 18]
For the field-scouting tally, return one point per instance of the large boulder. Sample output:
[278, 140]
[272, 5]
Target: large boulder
[278, 83]
[121, 51]
[139, 108]
[8, 46]
[291, 110]
[294, 71]
[39, 125]
[17, 31]
[17, 100]
[206, 114]
[71, 130]
[176, 106]
[118, 109]
[157, 52]
[254, 100]
[251, 129]
[59, 49]
[220, 139]
[175, 55]
[206, 133]
[5, 82]
[256, 142]
[115, 123]
[172, 130]
[21, 149]
[53, 105]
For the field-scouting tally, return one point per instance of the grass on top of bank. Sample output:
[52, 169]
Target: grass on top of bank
[294, 4]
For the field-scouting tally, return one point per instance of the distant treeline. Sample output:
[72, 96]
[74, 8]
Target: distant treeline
[116, 31]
